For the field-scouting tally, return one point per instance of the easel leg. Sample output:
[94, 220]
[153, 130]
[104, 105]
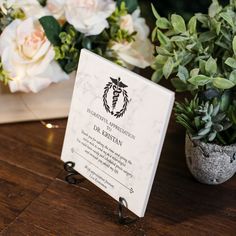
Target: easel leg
[124, 220]
[70, 178]
[71, 173]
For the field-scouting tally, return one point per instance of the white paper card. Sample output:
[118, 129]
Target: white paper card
[116, 128]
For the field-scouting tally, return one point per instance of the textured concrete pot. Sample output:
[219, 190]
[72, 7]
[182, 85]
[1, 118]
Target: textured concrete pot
[210, 163]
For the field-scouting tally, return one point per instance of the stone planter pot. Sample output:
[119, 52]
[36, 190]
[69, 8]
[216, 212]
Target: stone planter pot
[210, 163]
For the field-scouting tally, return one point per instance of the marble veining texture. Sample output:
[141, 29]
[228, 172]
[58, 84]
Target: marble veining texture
[146, 117]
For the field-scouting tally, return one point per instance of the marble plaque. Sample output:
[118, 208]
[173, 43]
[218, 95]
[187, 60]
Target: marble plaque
[116, 128]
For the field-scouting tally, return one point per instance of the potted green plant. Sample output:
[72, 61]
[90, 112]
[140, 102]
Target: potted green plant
[199, 56]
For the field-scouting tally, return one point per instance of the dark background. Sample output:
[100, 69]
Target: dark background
[186, 8]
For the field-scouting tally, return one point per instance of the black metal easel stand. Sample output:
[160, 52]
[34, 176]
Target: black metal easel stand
[71, 173]
[124, 220]
[70, 178]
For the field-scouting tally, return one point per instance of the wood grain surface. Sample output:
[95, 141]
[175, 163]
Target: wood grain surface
[15, 107]
[35, 199]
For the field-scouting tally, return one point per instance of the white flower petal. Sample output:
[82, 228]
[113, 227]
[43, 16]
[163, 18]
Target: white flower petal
[55, 73]
[39, 66]
[24, 29]
[89, 16]
[56, 8]
[30, 72]
[138, 53]
[140, 25]
[8, 35]
[97, 29]
[31, 8]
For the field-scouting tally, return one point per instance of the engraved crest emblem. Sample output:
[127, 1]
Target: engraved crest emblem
[115, 97]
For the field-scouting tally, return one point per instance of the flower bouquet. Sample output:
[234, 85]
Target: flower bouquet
[40, 43]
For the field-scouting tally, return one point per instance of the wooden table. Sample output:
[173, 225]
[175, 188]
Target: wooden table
[35, 199]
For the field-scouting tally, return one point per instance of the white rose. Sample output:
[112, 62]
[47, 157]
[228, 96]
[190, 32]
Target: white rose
[28, 57]
[140, 25]
[89, 16]
[126, 23]
[31, 8]
[56, 8]
[138, 53]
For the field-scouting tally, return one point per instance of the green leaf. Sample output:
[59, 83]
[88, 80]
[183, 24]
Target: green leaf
[216, 110]
[234, 45]
[228, 18]
[220, 117]
[208, 124]
[210, 110]
[231, 62]
[214, 8]
[179, 39]
[179, 85]
[161, 59]
[130, 5]
[211, 66]
[42, 2]
[87, 43]
[163, 51]
[203, 132]
[154, 34]
[222, 44]
[168, 67]
[218, 127]
[226, 34]
[222, 83]
[199, 80]
[232, 77]
[186, 58]
[157, 76]
[162, 38]
[51, 28]
[203, 18]
[154, 11]
[197, 121]
[178, 23]
[212, 136]
[194, 72]
[163, 23]
[183, 73]
[72, 66]
[202, 66]
[206, 36]
[216, 25]
[192, 24]
[225, 101]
